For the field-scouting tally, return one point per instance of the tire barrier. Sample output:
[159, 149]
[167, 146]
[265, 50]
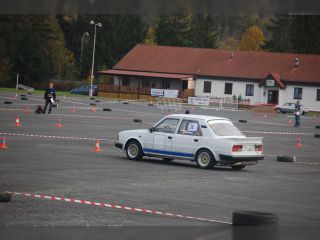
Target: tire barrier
[150, 104]
[107, 109]
[252, 218]
[7, 102]
[318, 127]
[5, 196]
[125, 103]
[317, 135]
[93, 104]
[137, 120]
[286, 158]
[24, 98]
[22, 95]
[243, 121]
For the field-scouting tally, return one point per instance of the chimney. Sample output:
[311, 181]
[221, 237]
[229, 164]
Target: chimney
[296, 60]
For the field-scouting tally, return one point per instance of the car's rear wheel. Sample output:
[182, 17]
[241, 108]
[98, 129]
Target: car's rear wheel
[205, 159]
[134, 150]
[238, 167]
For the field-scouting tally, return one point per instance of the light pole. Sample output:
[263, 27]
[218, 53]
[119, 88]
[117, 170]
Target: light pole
[86, 34]
[94, 49]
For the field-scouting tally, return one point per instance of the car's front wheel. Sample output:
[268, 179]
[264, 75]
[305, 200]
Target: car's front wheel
[205, 159]
[134, 150]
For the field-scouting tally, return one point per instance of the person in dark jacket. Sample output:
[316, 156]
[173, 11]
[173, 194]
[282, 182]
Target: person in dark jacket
[49, 96]
[297, 113]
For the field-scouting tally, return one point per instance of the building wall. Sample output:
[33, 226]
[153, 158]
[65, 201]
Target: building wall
[309, 93]
[309, 96]
[218, 87]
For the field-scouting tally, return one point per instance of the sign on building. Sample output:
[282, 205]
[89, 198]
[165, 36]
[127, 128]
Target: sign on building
[270, 83]
[164, 93]
[157, 92]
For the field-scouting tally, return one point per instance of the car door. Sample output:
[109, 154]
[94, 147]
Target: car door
[159, 141]
[187, 139]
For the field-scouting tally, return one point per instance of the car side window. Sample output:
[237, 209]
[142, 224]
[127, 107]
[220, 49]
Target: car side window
[190, 127]
[169, 125]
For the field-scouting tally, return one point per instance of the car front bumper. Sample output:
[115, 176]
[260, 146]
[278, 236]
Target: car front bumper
[243, 160]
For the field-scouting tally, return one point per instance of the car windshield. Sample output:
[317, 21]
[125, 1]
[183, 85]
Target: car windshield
[224, 128]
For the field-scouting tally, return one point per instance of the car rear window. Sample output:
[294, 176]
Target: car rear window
[224, 128]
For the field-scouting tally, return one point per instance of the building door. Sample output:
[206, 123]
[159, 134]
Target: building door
[184, 85]
[273, 96]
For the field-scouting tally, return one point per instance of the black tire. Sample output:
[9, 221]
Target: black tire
[107, 109]
[93, 104]
[243, 121]
[150, 104]
[131, 147]
[137, 120]
[238, 167]
[251, 218]
[167, 159]
[317, 135]
[286, 158]
[7, 102]
[97, 100]
[24, 98]
[5, 196]
[205, 159]
[318, 127]
[125, 103]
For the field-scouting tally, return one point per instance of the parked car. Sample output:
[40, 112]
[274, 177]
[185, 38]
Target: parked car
[207, 140]
[84, 90]
[290, 108]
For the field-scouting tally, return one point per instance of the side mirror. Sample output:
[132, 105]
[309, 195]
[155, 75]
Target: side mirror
[152, 129]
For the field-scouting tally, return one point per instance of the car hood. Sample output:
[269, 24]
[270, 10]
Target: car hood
[136, 131]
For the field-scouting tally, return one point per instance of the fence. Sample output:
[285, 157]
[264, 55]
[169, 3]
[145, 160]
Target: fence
[169, 103]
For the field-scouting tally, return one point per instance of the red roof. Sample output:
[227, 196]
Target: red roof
[146, 74]
[221, 63]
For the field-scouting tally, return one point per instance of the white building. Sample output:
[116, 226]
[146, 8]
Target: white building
[262, 77]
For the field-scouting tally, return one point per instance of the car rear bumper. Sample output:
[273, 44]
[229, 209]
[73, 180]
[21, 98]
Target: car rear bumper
[244, 160]
[119, 145]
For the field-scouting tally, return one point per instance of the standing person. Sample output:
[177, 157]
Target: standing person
[297, 113]
[49, 96]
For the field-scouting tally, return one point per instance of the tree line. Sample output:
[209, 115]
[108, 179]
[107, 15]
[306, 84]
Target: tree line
[48, 47]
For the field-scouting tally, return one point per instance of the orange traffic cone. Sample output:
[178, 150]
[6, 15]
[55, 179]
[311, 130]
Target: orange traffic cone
[27, 110]
[58, 124]
[97, 146]
[290, 122]
[298, 143]
[18, 122]
[3, 143]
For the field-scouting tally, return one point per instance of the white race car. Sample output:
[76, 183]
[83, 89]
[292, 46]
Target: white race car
[205, 139]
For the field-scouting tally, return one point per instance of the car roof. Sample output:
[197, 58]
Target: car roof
[196, 116]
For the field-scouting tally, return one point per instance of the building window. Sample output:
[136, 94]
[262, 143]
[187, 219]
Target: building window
[297, 93]
[146, 82]
[125, 81]
[166, 84]
[249, 89]
[207, 87]
[228, 88]
[318, 94]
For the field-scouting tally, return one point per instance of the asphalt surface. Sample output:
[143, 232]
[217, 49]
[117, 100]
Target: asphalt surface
[40, 161]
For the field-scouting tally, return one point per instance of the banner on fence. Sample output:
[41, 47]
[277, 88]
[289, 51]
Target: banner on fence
[164, 93]
[171, 93]
[200, 101]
